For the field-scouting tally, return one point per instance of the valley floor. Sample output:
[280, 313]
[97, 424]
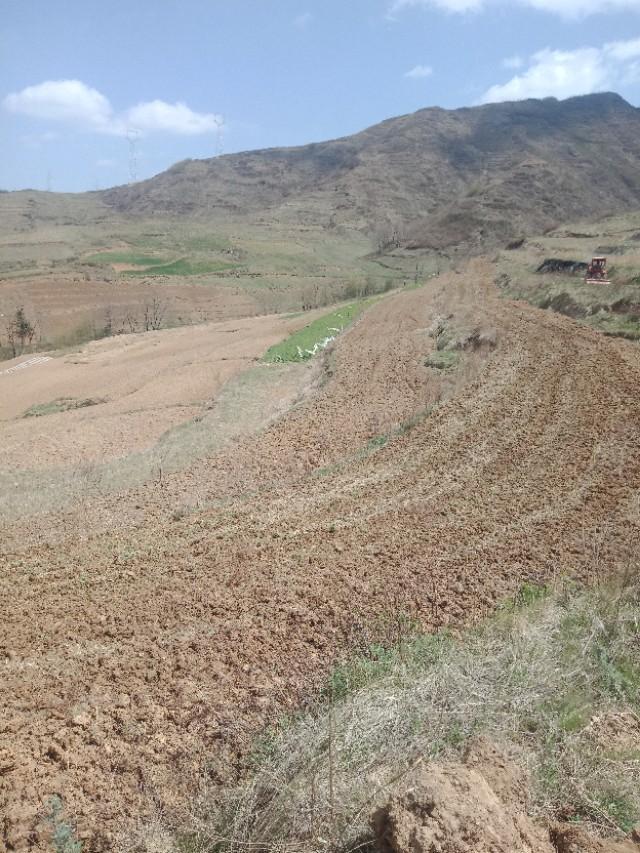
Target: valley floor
[164, 624]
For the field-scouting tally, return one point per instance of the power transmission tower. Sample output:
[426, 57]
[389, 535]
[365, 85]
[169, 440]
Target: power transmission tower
[133, 136]
[219, 127]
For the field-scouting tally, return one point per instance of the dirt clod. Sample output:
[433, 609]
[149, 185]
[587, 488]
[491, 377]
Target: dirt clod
[473, 807]
[567, 838]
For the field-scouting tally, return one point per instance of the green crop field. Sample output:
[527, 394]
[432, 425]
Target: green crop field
[132, 258]
[304, 344]
[183, 266]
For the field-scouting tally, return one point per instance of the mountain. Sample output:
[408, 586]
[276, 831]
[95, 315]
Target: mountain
[441, 178]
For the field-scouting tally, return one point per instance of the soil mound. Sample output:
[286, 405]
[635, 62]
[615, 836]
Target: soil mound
[469, 808]
[479, 806]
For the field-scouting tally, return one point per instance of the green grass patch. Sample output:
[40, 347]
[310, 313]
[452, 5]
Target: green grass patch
[133, 258]
[185, 267]
[615, 325]
[304, 344]
[149, 264]
[62, 404]
[209, 243]
[443, 359]
[63, 833]
[622, 810]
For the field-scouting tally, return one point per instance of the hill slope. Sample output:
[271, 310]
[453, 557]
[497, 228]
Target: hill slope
[147, 640]
[472, 176]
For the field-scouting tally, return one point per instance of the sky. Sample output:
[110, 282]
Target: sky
[95, 93]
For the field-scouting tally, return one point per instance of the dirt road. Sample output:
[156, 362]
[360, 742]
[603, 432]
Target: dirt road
[139, 662]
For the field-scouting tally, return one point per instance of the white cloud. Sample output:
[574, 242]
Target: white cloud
[106, 163]
[419, 72]
[565, 8]
[74, 102]
[447, 5]
[513, 62]
[302, 21]
[563, 73]
[62, 100]
[158, 116]
[624, 50]
[577, 8]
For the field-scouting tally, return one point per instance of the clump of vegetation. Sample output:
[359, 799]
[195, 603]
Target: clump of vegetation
[368, 286]
[443, 359]
[616, 325]
[541, 679]
[304, 344]
[62, 404]
[63, 836]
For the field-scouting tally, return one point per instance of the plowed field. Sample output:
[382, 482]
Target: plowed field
[138, 661]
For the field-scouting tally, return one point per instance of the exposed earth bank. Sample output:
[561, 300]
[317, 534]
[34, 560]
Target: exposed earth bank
[479, 805]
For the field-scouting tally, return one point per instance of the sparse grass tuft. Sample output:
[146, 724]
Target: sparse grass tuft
[443, 359]
[532, 678]
[63, 837]
[62, 404]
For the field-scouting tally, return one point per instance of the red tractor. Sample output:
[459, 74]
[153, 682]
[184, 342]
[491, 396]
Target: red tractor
[597, 271]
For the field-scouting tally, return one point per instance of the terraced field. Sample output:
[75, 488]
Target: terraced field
[195, 608]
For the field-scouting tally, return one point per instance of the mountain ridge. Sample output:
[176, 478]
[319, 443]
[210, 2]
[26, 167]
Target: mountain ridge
[471, 177]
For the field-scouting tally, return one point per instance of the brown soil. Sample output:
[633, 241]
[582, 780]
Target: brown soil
[574, 839]
[617, 731]
[65, 306]
[478, 806]
[142, 654]
[143, 384]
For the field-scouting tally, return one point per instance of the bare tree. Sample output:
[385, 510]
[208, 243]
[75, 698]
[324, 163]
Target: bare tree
[20, 332]
[107, 329]
[387, 237]
[130, 322]
[154, 312]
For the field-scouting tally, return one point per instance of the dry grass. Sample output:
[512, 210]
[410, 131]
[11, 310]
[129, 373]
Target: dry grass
[611, 309]
[533, 679]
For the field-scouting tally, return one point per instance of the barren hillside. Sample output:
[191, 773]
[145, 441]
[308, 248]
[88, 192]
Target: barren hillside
[471, 176]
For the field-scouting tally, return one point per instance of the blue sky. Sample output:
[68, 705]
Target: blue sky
[82, 81]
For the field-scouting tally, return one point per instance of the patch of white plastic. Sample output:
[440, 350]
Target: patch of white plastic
[31, 362]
